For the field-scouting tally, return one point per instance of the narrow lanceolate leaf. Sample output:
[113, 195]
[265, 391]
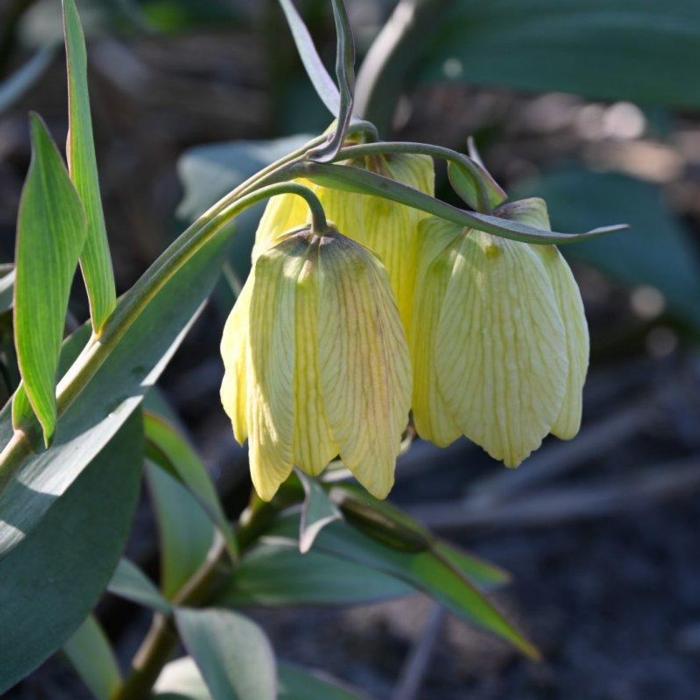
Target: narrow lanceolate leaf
[317, 512]
[171, 451]
[352, 179]
[92, 657]
[95, 260]
[321, 80]
[50, 235]
[232, 653]
[131, 583]
[440, 577]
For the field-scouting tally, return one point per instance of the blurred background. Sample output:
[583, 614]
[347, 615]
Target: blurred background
[592, 105]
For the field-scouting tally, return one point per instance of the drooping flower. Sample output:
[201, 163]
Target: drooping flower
[317, 363]
[389, 229]
[499, 342]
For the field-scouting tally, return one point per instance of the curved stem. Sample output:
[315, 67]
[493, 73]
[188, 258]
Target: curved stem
[478, 173]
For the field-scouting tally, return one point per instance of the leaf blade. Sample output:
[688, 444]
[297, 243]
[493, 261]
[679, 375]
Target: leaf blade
[232, 653]
[50, 236]
[96, 262]
[92, 657]
[41, 599]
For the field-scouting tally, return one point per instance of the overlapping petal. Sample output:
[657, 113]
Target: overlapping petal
[500, 345]
[322, 360]
[389, 229]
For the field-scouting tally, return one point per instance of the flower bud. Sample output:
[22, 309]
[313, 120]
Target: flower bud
[388, 229]
[317, 363]
[499, 342]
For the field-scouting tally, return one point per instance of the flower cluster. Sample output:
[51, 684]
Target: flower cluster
[336, 336]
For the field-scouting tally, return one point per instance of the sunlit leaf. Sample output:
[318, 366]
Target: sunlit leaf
[95, 260]
[50, 235]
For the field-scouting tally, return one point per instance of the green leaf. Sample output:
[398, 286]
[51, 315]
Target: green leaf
[113, 388]
[463, 183]
[185, 531]
[317, 512]
[385, 522]
[51, 581]
[131, 583]
[181, 680]
[91, 655]
[351, 179]
[167, 448]
[50, 235]
[95, 260]
[319, 76]
[659, 250]
[274, 573]
[635, 50]
[232, 653]
[297, 683]
[445, 583]
[14, 87]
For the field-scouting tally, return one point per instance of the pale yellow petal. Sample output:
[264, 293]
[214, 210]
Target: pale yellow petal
[364, 362]
[533, 211]
[271, 363]
[314, 446]
[577, 340]
[431, 416]
[234, 342]
[390, 230]
[501, 347]
[282, 214]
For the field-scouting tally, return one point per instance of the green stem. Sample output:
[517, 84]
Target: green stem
[477, 173]
[200, 590]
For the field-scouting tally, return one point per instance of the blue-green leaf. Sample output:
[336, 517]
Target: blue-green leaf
[131, 583]
[274, 573]
[167, 448]
[51, 581]
[633, 50]
[91, 655]
[423, 570]
[95, 260]
[317, 512]
[186, 533]
[232, 653]
[50, 235]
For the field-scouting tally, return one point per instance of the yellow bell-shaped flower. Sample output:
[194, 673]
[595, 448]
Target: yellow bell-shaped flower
[317, 363]
[389, 229]
[499, 342]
